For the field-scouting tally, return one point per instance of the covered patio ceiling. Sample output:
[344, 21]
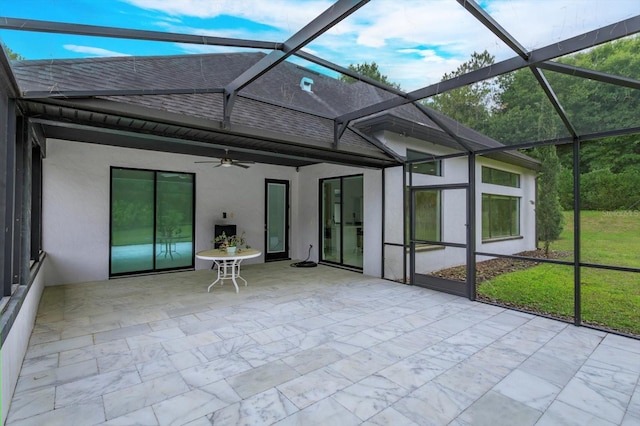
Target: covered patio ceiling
[107, 113]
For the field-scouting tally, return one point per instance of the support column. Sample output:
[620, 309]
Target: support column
[471, 228]
[25, 146]
[18, 206]
[577, 309]
[7, 203]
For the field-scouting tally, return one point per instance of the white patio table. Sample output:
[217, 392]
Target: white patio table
[228, 264]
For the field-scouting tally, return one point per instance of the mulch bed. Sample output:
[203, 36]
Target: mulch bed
[489, 269]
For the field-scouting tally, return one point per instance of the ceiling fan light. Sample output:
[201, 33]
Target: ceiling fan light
[225, 164]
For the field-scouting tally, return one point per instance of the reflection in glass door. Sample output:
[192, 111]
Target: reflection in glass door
[174, 220]
[277, 220]
[152, 219]
[342, 221]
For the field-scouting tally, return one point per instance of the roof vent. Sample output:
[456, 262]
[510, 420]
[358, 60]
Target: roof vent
[305, 84]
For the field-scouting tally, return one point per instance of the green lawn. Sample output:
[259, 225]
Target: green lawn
[609, 298]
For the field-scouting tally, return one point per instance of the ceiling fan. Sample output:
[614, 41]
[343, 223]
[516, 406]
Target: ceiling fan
[227, 161]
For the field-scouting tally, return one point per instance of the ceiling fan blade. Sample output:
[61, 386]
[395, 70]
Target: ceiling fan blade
[227, 161]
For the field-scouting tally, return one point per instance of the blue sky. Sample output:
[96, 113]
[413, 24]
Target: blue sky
[414, 42]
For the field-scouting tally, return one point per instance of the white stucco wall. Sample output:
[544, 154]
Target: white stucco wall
[76, 206]
[15, 346]
[76, 203]
[454, 171]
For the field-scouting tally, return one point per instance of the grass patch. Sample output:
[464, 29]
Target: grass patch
[547, 289]
[610, 299]
[607, 238]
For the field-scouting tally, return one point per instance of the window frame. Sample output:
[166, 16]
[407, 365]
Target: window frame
[332, 209]
[413, 154]
[157, 196]
[489, 177]
[490, 197]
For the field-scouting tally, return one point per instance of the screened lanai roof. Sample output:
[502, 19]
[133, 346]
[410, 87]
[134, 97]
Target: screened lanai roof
[154, 55]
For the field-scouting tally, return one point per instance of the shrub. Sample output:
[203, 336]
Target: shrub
[602, 190]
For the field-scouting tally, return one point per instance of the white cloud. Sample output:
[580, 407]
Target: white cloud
[539, 23]
[288, 15]
[200, 48]
[238, 33]
[95, 51]
[414, 42]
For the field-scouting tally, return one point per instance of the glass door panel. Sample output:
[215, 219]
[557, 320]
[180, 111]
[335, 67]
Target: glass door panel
[438, 240]
[132, 207]
[277, 220]
[174, 220]
[331, 220]
[352, 230]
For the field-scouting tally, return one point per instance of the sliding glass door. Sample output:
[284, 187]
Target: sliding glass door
[152, 218]
[341, 215]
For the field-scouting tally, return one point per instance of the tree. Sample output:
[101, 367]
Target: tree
[370, 70]
[11, 54]
[470, 105]
[549, 218]
[522, 113]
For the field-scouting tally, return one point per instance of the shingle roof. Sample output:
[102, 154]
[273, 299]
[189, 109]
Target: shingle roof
[274, 102]
[132, 72]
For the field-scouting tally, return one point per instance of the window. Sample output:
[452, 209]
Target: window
[428, 217]
[500, 216]
[500, 177]
[433, 168]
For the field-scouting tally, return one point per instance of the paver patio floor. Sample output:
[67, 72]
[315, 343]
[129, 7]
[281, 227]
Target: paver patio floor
[311, 346]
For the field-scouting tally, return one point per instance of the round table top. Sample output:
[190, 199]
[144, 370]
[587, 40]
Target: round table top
[217, 254]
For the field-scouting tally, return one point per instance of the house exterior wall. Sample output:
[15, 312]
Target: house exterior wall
[76, 203]
[76, 206]
[527, 194]
[454, 171]
[309, 211]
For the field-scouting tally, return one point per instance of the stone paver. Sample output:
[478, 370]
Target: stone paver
[311, 346]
